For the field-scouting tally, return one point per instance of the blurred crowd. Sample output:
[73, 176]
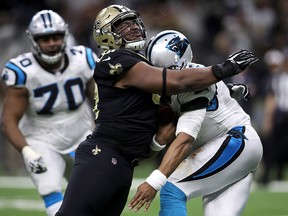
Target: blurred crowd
[215, 29]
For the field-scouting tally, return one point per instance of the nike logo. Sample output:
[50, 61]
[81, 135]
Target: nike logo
[106, 59]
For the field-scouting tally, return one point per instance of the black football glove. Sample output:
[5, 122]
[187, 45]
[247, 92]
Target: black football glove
[236, 63]
[239, 91]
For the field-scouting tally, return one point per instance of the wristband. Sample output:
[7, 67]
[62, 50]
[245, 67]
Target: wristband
[156, 179]
[155, 146]
[225, 70]
[28, 153]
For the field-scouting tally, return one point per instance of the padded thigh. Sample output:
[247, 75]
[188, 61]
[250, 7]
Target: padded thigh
[218, 164]
[229, 201]
[112, 172]
[51, 180]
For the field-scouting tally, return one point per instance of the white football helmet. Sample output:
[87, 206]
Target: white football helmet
[169, 49]
[47, 22]
[105, 26]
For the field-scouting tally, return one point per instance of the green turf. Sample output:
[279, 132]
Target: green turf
[261, 202]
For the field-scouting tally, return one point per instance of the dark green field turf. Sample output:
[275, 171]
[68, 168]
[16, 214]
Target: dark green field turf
[21, 202]
[262, 202]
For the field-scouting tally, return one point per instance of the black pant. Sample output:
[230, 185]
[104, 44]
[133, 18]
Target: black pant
[100, 182]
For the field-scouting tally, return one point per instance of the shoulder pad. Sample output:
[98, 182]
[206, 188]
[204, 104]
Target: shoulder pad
[13, 75]
[196, 100]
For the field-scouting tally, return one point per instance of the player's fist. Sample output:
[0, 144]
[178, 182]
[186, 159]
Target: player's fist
[239, 91]
[34, 160]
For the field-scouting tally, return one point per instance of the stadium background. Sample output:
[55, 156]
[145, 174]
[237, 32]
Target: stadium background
[215, 29]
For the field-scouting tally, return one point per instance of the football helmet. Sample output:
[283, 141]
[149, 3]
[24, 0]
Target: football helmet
[169, 49]
[47, 22]
[104, 30]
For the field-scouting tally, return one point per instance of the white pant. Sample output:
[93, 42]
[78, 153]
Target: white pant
[220, 173]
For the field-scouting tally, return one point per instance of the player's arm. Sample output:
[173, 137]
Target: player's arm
[188, 127]
[14, 107]
[159, 80]
[150, 79]
[90, 88]
[179, 149]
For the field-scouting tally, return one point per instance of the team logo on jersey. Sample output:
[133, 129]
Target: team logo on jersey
[115, 69]
[96, 150]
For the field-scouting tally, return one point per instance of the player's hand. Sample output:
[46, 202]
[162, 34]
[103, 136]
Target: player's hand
[166, 133]
[144, 196]
[34, 160]
[239, 91]
[242, 59]
[236, 63]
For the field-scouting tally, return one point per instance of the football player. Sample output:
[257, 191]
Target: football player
[126, 110]
[46, 113]
[216, 149]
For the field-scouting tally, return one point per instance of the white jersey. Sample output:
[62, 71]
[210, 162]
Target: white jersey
[226, 147]
[205, 124]
[57, 111]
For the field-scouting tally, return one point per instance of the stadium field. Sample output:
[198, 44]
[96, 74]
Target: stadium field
[18, 198]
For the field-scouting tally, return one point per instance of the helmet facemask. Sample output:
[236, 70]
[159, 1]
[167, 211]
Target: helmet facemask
[46, 23]
[134, 44]
[109, 36]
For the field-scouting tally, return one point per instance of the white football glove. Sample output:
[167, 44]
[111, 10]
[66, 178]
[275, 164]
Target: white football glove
[239, 91]
[34, 160]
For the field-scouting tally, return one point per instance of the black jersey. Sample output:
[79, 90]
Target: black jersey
[125, 118]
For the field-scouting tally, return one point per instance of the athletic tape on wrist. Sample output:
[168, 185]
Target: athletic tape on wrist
[156, 179]
[155, 146]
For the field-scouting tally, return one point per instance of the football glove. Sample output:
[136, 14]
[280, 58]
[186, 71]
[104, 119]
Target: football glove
[34, 160]
[236, 63]
[239, 91]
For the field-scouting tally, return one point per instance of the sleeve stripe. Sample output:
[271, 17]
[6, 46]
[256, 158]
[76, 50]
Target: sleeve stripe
[20, 74]
[198, 103]
[90, 60]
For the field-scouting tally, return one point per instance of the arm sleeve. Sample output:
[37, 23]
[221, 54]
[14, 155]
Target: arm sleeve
[190, 122]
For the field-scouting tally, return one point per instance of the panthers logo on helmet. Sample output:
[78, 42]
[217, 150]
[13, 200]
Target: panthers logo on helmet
[170, 49]
[178, 45]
